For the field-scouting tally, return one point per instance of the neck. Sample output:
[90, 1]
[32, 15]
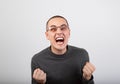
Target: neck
[58, 51]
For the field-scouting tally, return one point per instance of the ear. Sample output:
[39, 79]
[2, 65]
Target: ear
[47, 36]
[69, 33]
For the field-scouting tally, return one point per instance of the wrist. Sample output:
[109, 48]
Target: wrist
[40, 82]
[88, 78]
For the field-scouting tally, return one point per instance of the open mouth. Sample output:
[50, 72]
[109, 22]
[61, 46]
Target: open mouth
[60, 40]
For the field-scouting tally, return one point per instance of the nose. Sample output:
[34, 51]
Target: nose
[59, 30]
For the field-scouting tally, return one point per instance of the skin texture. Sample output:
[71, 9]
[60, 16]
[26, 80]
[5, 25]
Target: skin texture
[88, 70]
[55, 47]
[60, 47]
[39, 76]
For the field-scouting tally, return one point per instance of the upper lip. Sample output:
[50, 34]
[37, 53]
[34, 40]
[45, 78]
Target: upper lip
[59, 38]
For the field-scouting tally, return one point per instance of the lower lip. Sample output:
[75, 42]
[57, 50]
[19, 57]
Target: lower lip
[60, 43]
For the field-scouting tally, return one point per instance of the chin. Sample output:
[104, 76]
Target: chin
[60, 47]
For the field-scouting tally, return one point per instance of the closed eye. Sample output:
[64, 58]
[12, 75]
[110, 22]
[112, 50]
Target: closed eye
[53, 29]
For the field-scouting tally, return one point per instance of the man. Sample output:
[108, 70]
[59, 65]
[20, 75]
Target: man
[61, 63]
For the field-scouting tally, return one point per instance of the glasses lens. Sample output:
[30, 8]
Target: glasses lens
[62, 28]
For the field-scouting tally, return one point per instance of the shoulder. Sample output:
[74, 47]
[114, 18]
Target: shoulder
[41, 54]
[77, 49]
[79, 52]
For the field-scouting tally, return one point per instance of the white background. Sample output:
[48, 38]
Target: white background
[95, 26]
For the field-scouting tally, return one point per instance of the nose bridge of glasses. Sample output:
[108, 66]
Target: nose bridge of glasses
[59, 29]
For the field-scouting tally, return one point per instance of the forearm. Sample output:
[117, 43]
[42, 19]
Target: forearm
[91, 81]
[36, 82]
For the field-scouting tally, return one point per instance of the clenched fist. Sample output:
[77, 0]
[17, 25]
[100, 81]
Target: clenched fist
[88, 70]
[39, 75]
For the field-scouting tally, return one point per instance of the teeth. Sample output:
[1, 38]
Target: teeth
[60, 38]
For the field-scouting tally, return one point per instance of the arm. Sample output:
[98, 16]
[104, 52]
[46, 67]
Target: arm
[37, 75]
[88, 70]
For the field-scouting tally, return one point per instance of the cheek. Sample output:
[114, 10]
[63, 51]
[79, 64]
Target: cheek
[50, 37]
[47, 35]
[67, 35]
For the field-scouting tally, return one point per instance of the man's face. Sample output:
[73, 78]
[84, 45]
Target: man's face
[58, 33]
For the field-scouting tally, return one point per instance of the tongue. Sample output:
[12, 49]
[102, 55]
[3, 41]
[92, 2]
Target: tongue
[60, 42]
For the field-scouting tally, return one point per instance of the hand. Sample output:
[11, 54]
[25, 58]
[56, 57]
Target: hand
[88, 70]
[39, 76]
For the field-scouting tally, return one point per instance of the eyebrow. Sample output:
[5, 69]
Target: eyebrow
[56, 26]
[53, 26]
[63, 25]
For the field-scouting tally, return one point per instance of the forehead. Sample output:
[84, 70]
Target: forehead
[57, 21]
